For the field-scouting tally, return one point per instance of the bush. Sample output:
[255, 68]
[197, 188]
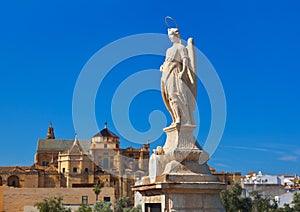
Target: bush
[84, 208]
[102, 207]
[53, 204]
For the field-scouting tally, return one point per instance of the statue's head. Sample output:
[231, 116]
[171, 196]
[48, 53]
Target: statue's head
[174, 35]
[173, 32]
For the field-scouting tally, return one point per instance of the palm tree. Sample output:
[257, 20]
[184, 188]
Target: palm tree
[97, 190]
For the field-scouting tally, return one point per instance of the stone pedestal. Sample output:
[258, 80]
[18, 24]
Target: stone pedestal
[180, 154]
[181, 193]
[179, 177]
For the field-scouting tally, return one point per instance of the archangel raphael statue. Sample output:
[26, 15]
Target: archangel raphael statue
[179, 79]
[179, 177]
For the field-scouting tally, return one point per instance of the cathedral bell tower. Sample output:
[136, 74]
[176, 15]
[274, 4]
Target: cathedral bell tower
[50, 134]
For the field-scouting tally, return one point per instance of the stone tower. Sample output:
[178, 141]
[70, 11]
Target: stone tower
[50, 134]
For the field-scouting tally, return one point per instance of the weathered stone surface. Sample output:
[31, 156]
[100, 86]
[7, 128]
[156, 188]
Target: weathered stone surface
[180, 137]
[180, 154]
[179, 192]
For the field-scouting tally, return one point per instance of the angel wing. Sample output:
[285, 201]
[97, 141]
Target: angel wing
[192, 69]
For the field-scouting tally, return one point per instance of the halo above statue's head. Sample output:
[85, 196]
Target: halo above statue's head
[172, 19]
[172, 30]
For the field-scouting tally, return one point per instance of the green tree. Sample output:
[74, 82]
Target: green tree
[261, 203]
[122, 204]
[233, 201]
[97, 190]
[102, 207]
[227, 200]
[53, 204]
[296, 201]
[84, 208]
[136, 209]
[286, 208]
[245, 204]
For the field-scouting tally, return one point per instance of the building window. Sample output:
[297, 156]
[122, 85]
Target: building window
[111, 165]
[84, 200]
[105, 163]
[86, 170]
[106, 199]
[45, 163]
[105, 146]
[131, 155]
[153, 207]
[13, 181]
[63, 170]
[75, 169]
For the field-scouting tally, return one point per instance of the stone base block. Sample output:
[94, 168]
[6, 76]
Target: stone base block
[181, 193]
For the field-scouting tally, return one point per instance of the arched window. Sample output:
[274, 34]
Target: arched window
[63, 170]
[45, 163]
[105, 163]
[13, 181]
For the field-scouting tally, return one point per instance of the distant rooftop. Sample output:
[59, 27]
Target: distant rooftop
[60, 144]
[106, 133]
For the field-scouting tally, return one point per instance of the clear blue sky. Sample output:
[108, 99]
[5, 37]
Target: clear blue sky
[253, 45]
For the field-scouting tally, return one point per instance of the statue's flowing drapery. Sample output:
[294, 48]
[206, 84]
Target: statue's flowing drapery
[178, 88]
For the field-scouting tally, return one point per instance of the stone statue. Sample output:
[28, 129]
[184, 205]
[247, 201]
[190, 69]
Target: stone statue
[179, 177]
[178, 81]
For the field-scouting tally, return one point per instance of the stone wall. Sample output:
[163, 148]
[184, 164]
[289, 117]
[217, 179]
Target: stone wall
[265, 189]
[15, 199]
[31, 181]
[1, 198]
[228, 178]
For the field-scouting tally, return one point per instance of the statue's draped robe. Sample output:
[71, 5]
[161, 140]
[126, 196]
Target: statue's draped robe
[175, 90]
